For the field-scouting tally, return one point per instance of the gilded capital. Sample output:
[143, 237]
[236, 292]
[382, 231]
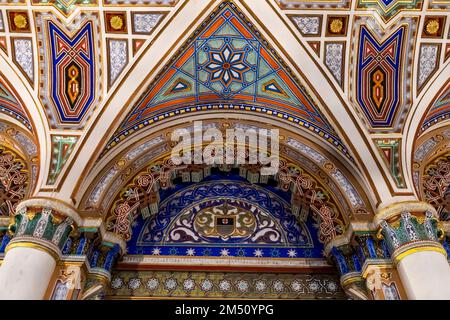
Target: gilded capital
[407, 231]
[43, 224]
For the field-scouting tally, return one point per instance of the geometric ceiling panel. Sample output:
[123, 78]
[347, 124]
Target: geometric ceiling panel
[428, 63]
[382, 84]
[10, 106]
[22, 52]
[387, 9]
[334, 60]
[145, 23]
[227, 61]
[117, 58]
[308, 25]
[70, 70]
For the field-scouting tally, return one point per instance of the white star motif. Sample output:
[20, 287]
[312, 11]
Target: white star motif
[258, 253]
[156, 251]
[292, 253]
[227, 65]
[190, 252]
[224, 252]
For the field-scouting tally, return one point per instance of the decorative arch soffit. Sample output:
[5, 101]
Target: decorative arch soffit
[397, 45]
[20, 150]
[18, 172]
[138, 152]
[142, 191]
[347, 193]
[383, 59]
[255, 80]
[431, 157]
[22, 124]
[11, 106]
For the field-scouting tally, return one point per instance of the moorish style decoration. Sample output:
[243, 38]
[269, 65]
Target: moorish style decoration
[65, 6]
[143, 196]
[22, 49]
[390, 149]
[379, 71]
[10, 106]
[439, 111]
[409, 230]
[62, 147]
[428, 63]
[352, 97]
[389, 8]
[436, 185]
[226, 60]
[382, 89]
[223, 285]
[70, 88]
[213, 219]
[117, 58]
[44, 224]
[14, 181]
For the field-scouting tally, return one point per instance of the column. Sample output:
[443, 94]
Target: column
[39, 232]
[411, 231]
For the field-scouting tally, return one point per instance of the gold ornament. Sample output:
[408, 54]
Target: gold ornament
[432, 27]
[395, 224]
[20, 21]
[336, 25]
[116, 23]
[121, 163]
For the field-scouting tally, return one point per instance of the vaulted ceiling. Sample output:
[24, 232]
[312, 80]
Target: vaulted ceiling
[92, 88]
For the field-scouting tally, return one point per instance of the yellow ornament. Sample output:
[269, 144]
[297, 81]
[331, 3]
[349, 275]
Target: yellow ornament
[116, 23]
[336, 25]
[20, 21]
[432, 27]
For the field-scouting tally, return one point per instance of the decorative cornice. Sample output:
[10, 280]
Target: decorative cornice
[223, 261]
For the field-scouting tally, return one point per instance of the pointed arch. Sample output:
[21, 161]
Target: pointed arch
[334, 105]
[31, 105]
[417, 116]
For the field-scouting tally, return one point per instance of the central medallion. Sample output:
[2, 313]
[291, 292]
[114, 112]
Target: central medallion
[226, 65]
[225, 220]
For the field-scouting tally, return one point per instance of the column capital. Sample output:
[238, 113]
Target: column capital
[41, 225]
[394, 210]
[410, 228]
[56, 205]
